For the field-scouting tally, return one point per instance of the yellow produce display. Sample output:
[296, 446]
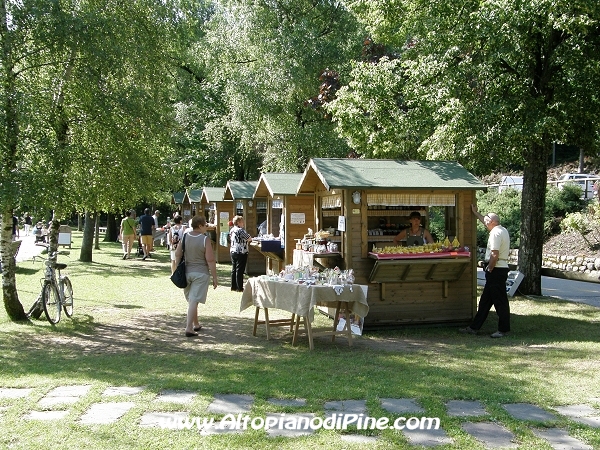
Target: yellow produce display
[436, 247]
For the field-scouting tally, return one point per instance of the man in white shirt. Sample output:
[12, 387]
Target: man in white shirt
[496, 273]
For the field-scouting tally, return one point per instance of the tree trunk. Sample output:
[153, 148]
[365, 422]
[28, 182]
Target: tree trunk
[97, 231]
[112, 230]
[8, 161]
[533, 204]
[88, 238]
[13, 306]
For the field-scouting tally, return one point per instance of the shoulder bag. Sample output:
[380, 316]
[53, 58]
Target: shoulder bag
[178, 278]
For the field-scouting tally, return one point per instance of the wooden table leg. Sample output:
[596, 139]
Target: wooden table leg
[295, 335]
[267, 323]
[308, 327]
[336, 319]
[292, 323]
[348, 327]
[255, 321]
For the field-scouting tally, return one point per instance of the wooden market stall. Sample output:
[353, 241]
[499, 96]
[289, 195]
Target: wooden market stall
[177, 201]
[188, 207]
[368, 202]
[254, 211]
[288, 217]
[218, 214]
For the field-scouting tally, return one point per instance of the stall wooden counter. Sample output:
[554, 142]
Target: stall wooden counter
[368, 202]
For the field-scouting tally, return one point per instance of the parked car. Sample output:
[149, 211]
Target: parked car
[511, 181]
[583, 180]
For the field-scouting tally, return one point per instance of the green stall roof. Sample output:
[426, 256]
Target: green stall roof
[195, 195]
[272, 184]
[238, 190]
[331, 173]
[213, 194]
[177, 198]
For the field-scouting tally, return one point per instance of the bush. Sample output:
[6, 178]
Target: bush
[559, 203]
[507, 204]
[587, 224]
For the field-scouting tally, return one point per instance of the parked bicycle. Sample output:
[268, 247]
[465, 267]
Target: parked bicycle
[56, 294]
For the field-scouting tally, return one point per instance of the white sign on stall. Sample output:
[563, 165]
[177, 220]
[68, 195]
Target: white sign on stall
[298, 218]
[341, 223]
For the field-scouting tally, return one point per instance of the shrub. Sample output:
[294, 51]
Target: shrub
[507, 204]
[587, 224]
[559, 203]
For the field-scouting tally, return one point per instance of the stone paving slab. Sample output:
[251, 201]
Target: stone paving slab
[465, 408]
[102, 413]
[167, 420]
[231, 404]
[219, 428]
[180, 397]
[490, 434]
[114, 391]
[401, 405]
[15, 392]
[593, 422]
[46, 415]
[427, 438]
[347, 406]
[291, 425]
[294, 403]
[51, 402]
[559, 439]
[358, 439]
[526, 411]
[70, 391]
[577, 410]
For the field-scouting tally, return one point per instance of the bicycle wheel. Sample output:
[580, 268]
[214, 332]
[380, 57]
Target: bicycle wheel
[51, 302]
[67, 297]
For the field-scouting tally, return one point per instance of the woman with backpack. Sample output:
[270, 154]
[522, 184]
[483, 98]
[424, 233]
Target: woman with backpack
[175, 236]
[128, 231]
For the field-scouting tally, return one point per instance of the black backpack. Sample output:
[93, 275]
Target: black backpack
[175, 239]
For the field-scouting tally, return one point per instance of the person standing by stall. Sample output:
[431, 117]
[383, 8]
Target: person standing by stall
[199, 266]
[155, 231]
[415, 234]
[239, 253]
[127, 231]
[28, 222]
[496, 273]
[147, 232]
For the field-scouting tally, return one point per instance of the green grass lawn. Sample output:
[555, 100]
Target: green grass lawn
[128, 330]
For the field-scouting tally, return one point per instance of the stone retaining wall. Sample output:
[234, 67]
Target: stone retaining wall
[579, 267]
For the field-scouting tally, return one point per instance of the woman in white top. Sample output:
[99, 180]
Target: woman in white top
[199, 266]
[175, 236]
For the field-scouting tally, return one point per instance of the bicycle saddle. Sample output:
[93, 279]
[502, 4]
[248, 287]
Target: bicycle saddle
[59, 266]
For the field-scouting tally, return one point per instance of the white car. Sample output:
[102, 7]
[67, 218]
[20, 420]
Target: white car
[583, 180]
[511, 181]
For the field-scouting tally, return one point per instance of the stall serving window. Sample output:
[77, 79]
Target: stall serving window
[388, 214]
[276, 217]
[261, 216]
[239, 208]
[331, 209]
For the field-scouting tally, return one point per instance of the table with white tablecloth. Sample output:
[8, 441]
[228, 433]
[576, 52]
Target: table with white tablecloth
[300, 300]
